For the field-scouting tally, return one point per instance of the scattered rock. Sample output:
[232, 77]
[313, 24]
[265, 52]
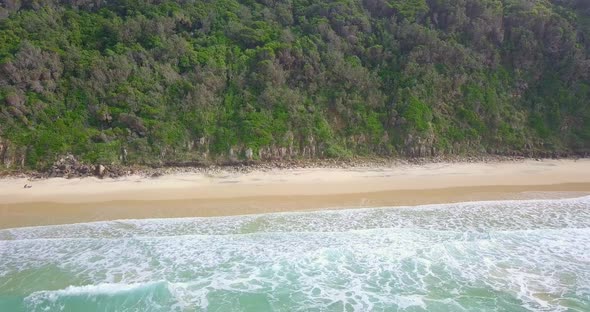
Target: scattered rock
[69, 167]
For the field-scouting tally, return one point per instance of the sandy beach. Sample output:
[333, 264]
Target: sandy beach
[61, 201]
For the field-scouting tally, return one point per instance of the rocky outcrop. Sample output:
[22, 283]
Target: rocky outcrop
[3, 148]
[69, 167]
[249, 154]
[199, 146]
[276, 153]
[11, 155]
[100, 171]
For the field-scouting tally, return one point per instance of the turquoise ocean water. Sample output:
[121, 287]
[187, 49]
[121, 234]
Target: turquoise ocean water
[529, 255]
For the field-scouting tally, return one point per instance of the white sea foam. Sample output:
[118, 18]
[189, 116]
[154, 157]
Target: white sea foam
[511, 214]
[93, 290]
[517, 255]
[145, 297]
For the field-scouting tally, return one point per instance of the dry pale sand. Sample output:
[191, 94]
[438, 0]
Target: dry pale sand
[57, 201]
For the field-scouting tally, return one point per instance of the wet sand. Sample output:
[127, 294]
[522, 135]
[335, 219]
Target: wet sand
[60, 201]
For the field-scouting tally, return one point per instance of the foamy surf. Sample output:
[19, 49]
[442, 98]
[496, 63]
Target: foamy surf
[476, 256]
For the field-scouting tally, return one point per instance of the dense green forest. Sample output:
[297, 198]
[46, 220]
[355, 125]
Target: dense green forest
[162, 81]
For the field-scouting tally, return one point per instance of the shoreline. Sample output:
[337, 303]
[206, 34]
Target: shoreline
[75, 169]
[227, 192]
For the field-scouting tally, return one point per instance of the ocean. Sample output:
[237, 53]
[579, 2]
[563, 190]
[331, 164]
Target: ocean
[529, 255]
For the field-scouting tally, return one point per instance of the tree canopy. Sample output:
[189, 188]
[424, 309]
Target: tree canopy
[151, 81]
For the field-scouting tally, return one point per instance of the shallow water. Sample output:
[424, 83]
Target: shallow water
[503, 256]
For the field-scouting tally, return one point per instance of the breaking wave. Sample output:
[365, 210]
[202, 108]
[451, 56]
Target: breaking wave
[476, 256]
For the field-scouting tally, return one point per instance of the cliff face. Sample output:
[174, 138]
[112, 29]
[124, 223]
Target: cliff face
[154, 82]
[12, 156]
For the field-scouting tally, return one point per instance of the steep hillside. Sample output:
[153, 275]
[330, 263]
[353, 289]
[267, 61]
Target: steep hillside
[161, 81]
